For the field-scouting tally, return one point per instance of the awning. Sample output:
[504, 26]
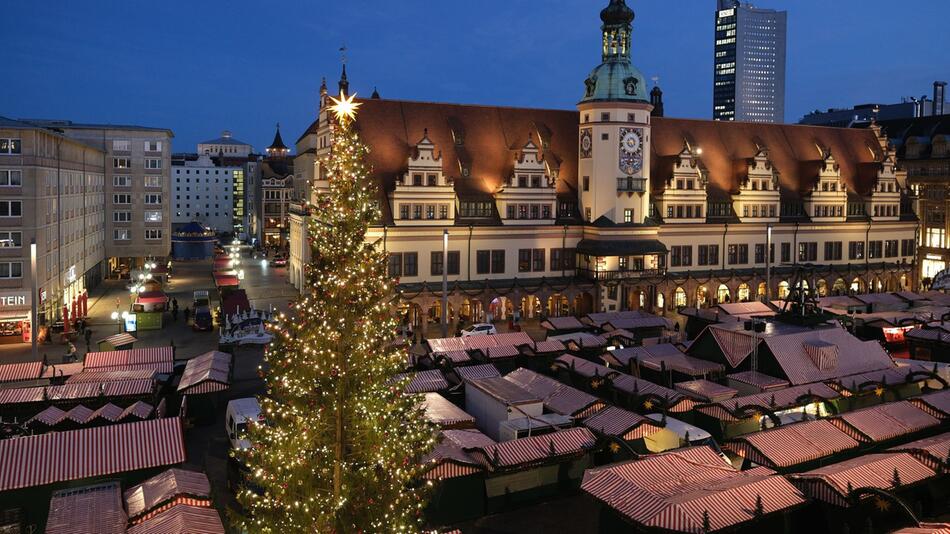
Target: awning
[39, 460]
[13, 372]
[621, 247]
[152, 297]
[124, 358]
[207, 373]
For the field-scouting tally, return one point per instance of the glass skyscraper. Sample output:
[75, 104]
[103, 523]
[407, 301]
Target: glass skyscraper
[749, 78]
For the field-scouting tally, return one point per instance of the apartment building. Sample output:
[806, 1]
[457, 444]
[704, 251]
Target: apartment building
[137, 188]
[203, 192]
[52, 192]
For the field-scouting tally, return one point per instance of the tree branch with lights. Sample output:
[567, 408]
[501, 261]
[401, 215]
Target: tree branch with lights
[341, 445]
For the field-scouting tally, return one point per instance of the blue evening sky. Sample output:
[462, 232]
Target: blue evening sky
[201, 66]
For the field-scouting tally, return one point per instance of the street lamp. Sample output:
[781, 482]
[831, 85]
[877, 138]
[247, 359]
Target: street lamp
[115, 317]
[33, 298]
[445, 282]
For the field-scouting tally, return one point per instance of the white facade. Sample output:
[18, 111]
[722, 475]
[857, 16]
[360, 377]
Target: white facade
[204, 193]
[226, 146]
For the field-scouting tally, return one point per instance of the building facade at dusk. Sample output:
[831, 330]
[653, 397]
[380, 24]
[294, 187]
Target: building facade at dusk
[749, 77]
[608, 207]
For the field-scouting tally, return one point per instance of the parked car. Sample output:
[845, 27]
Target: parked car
[279, 261]
[203, 320]
[238, 413]
[479, 329]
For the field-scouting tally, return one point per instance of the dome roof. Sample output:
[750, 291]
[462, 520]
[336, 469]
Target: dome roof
[617, 13]
[616, 81]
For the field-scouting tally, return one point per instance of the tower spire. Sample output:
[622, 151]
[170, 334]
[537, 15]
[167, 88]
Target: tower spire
[617, 19]
[344, 83]
[277, 147]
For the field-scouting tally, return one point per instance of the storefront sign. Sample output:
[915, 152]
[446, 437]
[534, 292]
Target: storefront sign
[14, 300]
[131, 323]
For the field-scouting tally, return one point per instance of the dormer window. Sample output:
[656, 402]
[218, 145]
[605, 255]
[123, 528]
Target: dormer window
[679, 184]
[689, 184]
[535, 181]
[416, 179]
[522, 180]
[605, 117]
[433, 180]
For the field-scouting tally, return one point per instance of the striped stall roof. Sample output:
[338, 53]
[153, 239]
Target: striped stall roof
[88, 509]
[514, 339]
[111, 376]
[74, 391]
[759, 380]
[614, 421]
[63, 369]
[80, 414]
[89, 452]
[109, 412]
[735, 345]
[14, 372]
[779, 399]
[206, 373]
[49, 417]
[656, 357]
[121, 358]
[477, 372]
[803, 355]
[139, 410]
[164, 368]
[22, 395]
[449, 461]
[509, 339]
[925, 528]
[884, 421]
[884, 377]
[165, 487]
[562, 323]
[442, 412]
[620, 333]
[526, 452]
[128, 388]
[928, 334]
[455, 356]
[672, 491]
[791, 445]
[628, 320]
[706, 390]
[581, 340]
[933, 451]
[628, 384]
[120, 339]
[830, 483]
[557, 397]
[499, 352]
[423, 381]
[182, 519]
[446, 344]
[467, 439]
[936, 404]
[549, 346]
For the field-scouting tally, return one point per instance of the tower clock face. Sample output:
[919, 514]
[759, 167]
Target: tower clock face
[631, 150]
[587, 143]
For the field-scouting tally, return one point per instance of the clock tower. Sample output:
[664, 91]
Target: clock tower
[614, 136]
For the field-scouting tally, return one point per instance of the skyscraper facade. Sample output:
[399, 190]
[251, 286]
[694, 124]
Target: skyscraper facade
[749, 78]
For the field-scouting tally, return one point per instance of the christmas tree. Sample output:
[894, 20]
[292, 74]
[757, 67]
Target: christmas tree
[341, 445]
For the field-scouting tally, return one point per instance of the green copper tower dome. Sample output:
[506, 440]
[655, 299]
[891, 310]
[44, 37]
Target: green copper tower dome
[616, 79]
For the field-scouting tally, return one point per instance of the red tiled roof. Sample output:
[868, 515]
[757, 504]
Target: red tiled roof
[885, 421]
[614, 421]
[88, 509]
[830, 483]
[671, 491]
[76, 454]
[13, 372]
[165, 487]
[791, 445]
[557, 397]
[182, 519]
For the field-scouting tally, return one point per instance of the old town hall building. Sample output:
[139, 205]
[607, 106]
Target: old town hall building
[613, 207]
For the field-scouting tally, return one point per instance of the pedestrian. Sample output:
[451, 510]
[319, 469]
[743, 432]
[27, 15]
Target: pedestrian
[187, 313]
[88, 335]
[71, 353]
[174, 313]
[175, 304]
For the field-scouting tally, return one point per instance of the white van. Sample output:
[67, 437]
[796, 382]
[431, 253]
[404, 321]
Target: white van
[239, 412]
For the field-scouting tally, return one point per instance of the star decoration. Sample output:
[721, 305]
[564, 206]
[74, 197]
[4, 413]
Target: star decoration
[648, 404]
[879, 391]
[614, 448]
[881, 504]
[344, 108]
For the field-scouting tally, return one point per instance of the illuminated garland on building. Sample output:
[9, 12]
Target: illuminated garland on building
[342, 444]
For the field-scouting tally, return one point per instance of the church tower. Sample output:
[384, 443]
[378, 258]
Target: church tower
[614, 166]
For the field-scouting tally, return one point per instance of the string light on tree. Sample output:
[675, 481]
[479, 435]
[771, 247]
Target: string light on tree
[342, 444]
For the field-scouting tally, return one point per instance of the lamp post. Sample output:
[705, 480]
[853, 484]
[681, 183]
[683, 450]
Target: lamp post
[115, 317]
[768, 263]
[445, 282]
[33, 299]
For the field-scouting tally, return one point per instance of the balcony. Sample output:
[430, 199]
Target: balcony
[631, 185]
[616, 276]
